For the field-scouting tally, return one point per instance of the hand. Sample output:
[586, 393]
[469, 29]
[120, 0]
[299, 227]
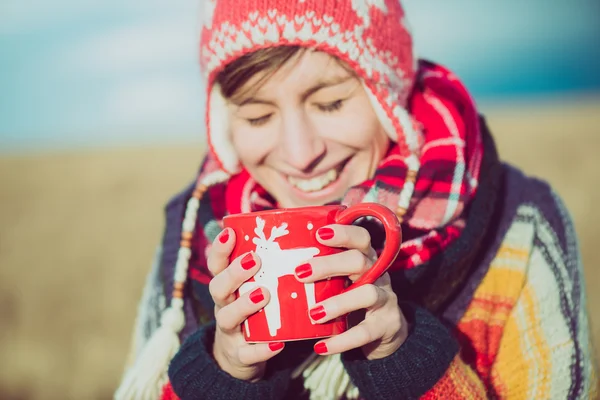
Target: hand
[384, 327]
[231, 352]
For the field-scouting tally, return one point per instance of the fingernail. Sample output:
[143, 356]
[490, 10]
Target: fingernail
[320, 348]
[317, 313]
[248, 261]
[303, 271]
[274, 346]
[257, 296]
[224, 236]
[325, 233]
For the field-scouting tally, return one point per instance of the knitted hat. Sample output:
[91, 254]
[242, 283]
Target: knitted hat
[369, 35]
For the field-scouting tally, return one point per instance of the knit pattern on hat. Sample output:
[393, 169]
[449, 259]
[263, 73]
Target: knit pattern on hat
[371, 36]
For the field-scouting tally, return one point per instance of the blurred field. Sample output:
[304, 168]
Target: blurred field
[78, 230]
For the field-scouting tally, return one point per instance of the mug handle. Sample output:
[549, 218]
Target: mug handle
[393, 237]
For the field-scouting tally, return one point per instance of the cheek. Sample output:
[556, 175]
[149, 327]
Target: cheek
[356, 126]
[245, 144]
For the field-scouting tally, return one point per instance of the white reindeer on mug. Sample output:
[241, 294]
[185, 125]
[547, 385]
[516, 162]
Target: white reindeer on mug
[276, 263]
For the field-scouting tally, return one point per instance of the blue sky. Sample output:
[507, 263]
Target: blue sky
[108, 73]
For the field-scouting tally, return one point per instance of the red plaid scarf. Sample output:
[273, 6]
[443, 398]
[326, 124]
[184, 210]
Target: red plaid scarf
[447, 180]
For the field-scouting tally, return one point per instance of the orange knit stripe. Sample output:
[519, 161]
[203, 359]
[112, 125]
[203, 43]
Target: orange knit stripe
[459, 382]
[505, 379]
[483, 325]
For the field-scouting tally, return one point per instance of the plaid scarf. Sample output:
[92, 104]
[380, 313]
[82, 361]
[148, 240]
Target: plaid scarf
[450, 161]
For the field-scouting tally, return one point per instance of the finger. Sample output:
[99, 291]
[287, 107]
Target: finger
[385, 282]
[220, 250]
[251, 354]
[358, 336]
[223, 285]
[230, 317]
[368, 296]
[351, 263]
[348, 236]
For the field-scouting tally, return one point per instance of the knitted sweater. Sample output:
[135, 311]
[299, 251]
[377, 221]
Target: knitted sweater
[515, 327]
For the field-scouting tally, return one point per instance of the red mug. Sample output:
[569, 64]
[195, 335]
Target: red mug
[286, 238]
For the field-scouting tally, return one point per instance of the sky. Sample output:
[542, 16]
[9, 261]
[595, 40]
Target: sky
[77, 73]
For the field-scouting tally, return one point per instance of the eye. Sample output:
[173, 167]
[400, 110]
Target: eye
[260, 120]
[330, 107]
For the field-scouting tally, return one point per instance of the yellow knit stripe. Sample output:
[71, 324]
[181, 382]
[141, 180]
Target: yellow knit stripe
[512, 255]
[495, 296]
[459, 384]
[465, 381]
[500, 282]
[509, 375]
[508, 251]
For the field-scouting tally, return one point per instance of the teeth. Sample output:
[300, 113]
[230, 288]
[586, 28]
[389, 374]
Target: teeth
[316, 183]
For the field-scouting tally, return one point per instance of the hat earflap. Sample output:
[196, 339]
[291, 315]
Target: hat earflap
[217, 122]
[409, 135]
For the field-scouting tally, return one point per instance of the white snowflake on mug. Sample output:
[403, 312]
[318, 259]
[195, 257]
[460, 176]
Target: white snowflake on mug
[363, 8]
[276, 263]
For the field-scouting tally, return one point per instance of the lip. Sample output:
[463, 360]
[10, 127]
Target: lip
[340, 166]
[327, 191]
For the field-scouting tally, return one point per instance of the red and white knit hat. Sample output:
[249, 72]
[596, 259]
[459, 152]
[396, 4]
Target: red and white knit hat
[371, 36]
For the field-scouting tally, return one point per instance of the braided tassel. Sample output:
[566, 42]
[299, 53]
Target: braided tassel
[146, 378]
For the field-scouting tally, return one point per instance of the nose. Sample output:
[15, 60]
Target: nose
[301, 145]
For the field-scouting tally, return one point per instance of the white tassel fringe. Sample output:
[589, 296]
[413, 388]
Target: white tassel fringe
[146, 378]
[326, 378]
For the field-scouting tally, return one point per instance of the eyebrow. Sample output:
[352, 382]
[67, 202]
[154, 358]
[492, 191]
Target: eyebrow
[310, 91]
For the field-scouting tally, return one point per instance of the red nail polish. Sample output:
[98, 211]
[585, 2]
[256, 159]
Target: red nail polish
[325, 233]
[317, 313]
[224, 236]
[248, 261]
[257, 296]
[274, 346]
[320, 348]
[303, 271]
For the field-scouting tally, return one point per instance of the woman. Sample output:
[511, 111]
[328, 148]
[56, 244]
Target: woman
[320, 101]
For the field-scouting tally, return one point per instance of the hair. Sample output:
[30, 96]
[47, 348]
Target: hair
[266, 61]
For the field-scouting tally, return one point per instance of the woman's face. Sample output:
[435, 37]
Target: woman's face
[309, 132]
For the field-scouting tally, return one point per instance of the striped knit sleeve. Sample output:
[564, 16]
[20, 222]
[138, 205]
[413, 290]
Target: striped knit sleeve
[527, 326]
[546, 350]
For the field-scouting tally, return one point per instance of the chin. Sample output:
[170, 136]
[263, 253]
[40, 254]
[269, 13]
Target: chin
[291, 203]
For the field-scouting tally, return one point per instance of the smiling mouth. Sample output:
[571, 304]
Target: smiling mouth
[318, 182]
